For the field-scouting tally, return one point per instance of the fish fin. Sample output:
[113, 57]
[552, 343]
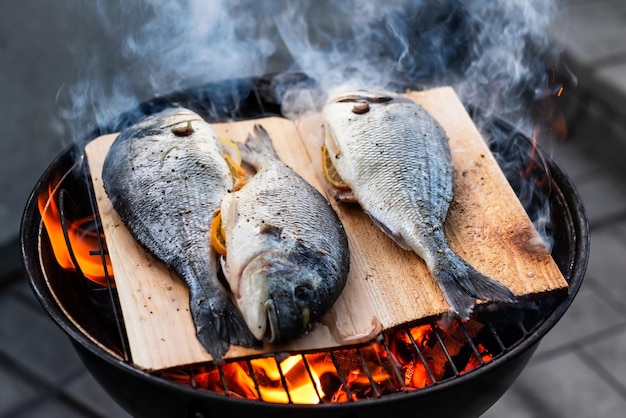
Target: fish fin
[220, 325]
[462, 285]
[461, 302]
[397, 237]
[489, 289]
[258, 147]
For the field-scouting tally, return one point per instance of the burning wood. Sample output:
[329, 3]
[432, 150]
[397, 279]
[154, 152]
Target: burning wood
[436, 348]
[424, 355]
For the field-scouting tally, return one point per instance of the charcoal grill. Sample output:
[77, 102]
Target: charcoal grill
[90, 314]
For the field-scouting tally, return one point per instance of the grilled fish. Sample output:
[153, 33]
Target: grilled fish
[396, 160]
[166, 176]
[287, 256]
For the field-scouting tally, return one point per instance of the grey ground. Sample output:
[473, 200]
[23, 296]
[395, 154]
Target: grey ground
[579, 369]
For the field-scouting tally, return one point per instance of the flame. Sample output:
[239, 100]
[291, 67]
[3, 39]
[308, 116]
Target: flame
[83, 239]
[348, 374]
[406, 360]
[475, 361]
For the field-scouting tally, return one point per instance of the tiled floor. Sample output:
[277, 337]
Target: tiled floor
[579, 369]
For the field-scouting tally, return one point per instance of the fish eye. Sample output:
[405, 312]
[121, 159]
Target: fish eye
[303, 292]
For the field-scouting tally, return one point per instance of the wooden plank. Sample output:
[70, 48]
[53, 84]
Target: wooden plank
[487, 224]
[386, 287]
[154, 301]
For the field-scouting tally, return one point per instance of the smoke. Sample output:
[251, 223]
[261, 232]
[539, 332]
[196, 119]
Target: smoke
[496, 54]
[147, 49]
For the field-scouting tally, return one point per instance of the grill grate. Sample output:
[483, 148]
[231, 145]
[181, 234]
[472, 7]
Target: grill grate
[501, 331]
[498, 347]
[337, 357]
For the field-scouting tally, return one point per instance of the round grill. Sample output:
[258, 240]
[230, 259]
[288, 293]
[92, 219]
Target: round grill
[424, 365]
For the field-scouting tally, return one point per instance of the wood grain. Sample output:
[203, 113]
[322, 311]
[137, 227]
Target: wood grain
[386, 287]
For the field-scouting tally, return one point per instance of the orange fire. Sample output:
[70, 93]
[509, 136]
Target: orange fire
[374, 370]
[406, 360]
[81, 237]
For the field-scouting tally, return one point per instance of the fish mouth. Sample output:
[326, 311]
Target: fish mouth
[273, 330]
[273, 310]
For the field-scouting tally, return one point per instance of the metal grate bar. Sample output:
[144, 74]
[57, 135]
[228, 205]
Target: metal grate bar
[254, 379]
[259, 101]
[435, 330]
[283, 380]
[192, 379]
[394, 364]
[119, 321]
[341, 376]
[61, 204]
[429, 371]
[223, 380]
[496, 336]
[522, 326]
[310, 373]
[470, 342]
[367, 371]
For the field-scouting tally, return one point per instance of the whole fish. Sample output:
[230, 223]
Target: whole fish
[166, 176]
[287, 256]
[396, 161]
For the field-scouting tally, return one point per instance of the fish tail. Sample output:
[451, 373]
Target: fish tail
[219, 324]
[462, 285]
[258, 147]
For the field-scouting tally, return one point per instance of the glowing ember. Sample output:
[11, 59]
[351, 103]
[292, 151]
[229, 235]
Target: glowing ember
[406, 360]
[84, 239]
[348, 374]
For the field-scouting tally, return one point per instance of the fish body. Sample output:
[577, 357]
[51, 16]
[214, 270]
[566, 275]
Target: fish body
[166, 176]
[396, 160]
[287, 256]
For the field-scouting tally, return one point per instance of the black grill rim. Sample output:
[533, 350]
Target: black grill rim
[91, 353]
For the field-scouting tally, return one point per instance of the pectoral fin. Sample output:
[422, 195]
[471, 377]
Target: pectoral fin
[396, 236]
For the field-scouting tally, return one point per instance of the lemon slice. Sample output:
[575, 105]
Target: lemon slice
[330, 172]
[238, 173]
[231, 148]
[218, 240]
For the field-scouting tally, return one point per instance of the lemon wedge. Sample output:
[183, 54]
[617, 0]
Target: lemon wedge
[218, 240]
[330, 173]
[231, 148]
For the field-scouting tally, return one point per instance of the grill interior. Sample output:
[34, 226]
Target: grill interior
[501, 332]
[95, 309]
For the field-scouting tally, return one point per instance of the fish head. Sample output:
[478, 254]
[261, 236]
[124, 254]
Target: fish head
[346, 110]
[280, 296]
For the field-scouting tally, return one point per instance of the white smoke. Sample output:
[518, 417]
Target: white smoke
[496, 54]
[154, 47]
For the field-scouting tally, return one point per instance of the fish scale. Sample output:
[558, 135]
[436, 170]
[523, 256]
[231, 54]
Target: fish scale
[396, 160]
